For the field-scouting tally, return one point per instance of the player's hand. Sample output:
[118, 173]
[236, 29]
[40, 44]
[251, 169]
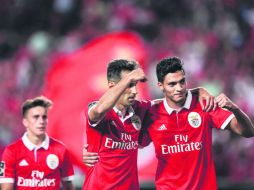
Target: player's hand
[89, 158]
[224, 102]
[137, 75]
[205, 96]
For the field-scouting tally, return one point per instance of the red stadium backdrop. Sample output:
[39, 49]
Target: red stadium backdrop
[79, 78]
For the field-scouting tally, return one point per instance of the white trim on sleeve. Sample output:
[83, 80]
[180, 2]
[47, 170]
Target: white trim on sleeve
[226, 122]
[68, 178]
[92, 124]
[6, 180]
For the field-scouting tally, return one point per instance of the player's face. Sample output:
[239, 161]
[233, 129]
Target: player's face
[36, 121]
[129, 95]
[174, 88]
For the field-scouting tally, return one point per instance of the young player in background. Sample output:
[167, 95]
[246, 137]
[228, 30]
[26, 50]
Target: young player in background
[36, 161]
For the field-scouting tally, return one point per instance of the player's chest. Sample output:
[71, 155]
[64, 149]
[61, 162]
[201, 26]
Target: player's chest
[121, 136]
[37, 163]
[191, 125]
[128, 129]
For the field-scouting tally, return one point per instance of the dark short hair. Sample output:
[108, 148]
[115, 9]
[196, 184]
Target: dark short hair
[115, 67]
[37, 101]
[168, 65]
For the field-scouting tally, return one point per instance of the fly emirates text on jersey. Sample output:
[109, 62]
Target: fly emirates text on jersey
[126, 143]
[36, 180]
[181, 145]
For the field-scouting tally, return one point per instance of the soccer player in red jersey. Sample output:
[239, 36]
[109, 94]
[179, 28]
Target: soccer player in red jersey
[113, 129]
[36, 161]
[182, 132]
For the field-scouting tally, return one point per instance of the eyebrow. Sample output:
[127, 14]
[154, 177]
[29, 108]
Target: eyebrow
[175, 82]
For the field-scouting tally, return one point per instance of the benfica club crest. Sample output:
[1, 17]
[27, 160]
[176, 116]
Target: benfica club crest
[194, 119]
[52, 161]
[136, 122]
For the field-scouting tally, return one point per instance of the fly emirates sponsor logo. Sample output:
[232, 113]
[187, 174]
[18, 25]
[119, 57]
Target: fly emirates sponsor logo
[126, 143]
[181, 145]
[36, 180]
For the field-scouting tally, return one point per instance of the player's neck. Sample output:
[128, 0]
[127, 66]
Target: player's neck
[175, 105]
[122, 109]
[36, 140]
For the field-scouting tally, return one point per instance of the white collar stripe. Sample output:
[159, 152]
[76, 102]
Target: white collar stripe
[119, 113]
[31, 146]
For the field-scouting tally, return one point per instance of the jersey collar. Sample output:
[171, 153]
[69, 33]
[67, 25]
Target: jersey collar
[186, 105]
[31, 146]
[130, 113]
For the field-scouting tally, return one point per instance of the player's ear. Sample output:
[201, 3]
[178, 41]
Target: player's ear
[160, 86]
[111, 84]
[24, 121]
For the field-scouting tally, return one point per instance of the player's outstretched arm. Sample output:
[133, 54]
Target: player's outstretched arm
[241, 124]
[204, 95]
[109, 99]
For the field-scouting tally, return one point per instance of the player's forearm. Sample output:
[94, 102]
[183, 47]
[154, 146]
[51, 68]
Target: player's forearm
[244, 124]
[7, 186]
[108, 100]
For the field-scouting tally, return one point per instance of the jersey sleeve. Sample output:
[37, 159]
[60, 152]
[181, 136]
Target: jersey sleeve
[89, 122]
[67, 172]
[7, 166]
[220, 118]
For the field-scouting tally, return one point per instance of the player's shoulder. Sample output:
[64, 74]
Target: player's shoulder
[56, 143]
[157, 102]
[142, 101]
[14, 146]
[193, 101]
[194, 96]
[141, 104]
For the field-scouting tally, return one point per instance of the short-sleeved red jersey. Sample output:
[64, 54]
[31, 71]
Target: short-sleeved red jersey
[29, 166]
[183, 144]
[116, 140]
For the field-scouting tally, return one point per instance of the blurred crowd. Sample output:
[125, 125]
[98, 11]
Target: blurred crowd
[215, 38]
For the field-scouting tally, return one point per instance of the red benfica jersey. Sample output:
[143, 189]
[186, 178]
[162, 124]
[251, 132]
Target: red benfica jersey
[33, 167]
[183, 144]
[116, 140]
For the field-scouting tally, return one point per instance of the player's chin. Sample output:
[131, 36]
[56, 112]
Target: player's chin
[131, 102]
[180, 100]
[41, 131]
